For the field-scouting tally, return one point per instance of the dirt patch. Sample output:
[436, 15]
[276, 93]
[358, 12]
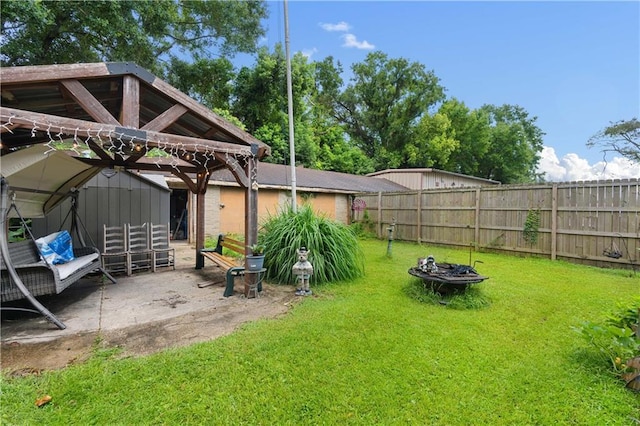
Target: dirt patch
[144, 339]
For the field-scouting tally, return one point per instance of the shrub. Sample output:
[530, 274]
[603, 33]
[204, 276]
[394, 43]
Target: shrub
[334, 250]
[615, 337]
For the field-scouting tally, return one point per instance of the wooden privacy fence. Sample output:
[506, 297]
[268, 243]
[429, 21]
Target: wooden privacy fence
[595, 223]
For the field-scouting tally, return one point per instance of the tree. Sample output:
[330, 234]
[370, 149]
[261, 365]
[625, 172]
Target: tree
[515, 144]
[381, 106]
[259, 93]
[148, 32]
[622, 137]
[472, 131]
[260, 101]
[214, 91]
[434, 143]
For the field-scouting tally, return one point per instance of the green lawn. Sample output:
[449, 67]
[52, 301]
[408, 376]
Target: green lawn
[364, 352]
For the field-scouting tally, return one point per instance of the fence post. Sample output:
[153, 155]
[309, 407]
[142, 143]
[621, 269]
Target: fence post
[419, 218]
[379, 214]
[554, 221]
[476, 233]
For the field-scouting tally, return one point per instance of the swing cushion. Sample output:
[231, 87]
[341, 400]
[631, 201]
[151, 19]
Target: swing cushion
[76, 264]
[56, 248]
[40, 277]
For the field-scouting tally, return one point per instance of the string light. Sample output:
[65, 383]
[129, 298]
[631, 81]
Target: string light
[196, 153]
[9, 123]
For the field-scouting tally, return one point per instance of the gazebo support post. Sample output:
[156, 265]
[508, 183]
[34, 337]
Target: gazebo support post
[251, 212]
[201, 185]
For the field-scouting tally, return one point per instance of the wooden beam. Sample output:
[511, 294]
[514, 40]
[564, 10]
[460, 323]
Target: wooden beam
[204, 112]
[37, 73]
[88, 102]
[187, 180]
[163, 166]
[130, 115]
[98, 150]
[166, 119]
[47, 73]
[235, 168]
[44, 122]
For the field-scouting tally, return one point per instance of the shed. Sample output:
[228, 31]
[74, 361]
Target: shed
[111, 198]
[428, 178]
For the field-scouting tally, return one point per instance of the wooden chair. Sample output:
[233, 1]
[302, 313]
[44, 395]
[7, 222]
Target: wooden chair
[139, 253]
[114, 256]
[162, 254]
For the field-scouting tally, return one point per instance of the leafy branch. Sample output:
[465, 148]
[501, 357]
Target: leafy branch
[532, 226]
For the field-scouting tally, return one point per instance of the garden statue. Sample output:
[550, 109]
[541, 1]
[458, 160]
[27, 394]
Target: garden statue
[428, 264]
[303, 270]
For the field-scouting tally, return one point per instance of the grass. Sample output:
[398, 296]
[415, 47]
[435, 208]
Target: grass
[364, 352]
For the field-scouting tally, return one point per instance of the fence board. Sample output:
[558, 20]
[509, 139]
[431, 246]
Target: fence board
[578, 220]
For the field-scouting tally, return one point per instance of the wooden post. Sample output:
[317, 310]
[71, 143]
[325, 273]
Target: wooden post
[201, 185]
[130, 114]
[251, 212]
[476, 232]
[554, 221]
[379, 214]
[419, 218]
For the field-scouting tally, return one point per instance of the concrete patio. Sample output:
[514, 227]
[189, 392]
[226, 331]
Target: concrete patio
[142, 313]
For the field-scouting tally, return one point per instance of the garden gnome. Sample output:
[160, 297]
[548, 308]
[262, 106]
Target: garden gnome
[303, 270]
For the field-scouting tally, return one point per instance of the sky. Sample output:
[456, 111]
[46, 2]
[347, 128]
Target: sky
[573, 65]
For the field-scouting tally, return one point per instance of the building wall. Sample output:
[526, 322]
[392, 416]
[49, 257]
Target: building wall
[224, 207]
[110, 198]
[324, 203]
[443, 180]
[431, 180]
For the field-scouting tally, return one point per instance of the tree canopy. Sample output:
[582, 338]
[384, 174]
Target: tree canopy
[622, 137]
[148, 32]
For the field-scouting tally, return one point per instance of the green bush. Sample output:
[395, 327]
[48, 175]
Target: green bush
[365, 228]
[615, 338]
[334, 250]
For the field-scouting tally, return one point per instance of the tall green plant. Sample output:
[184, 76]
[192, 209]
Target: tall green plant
[532, 226]
[335, 252]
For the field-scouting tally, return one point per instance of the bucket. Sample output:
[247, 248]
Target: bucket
[255, 263]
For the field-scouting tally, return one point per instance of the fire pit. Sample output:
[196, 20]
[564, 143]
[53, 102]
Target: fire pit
[445, 277]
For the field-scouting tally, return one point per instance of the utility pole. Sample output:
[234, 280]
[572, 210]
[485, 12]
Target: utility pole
[292, 149]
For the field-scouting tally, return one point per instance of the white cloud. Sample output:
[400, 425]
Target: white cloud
[340, 26]
[309, 52]
[573, 168]
[350, 40]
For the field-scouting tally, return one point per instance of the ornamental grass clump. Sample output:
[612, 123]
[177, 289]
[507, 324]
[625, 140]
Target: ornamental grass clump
[334, 250]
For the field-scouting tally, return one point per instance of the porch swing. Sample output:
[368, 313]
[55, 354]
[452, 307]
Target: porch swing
[24, 272]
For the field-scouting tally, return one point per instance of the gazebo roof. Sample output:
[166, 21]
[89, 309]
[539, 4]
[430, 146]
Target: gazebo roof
[119, 111]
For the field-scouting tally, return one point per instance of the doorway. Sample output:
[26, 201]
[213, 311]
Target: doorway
[179, 214]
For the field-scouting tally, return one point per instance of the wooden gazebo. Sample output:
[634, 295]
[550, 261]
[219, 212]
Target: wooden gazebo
[120, 111]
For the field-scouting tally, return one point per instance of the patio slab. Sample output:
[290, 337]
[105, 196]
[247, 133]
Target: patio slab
[142, 313]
